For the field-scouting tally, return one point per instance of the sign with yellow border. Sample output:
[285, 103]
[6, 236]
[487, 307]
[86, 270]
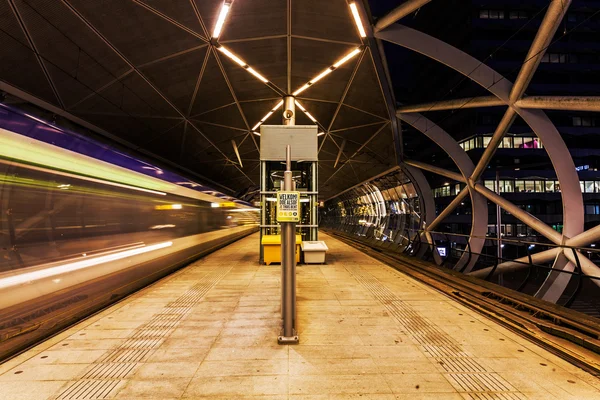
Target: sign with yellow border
[288, 206]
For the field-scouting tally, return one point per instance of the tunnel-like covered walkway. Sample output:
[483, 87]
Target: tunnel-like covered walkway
[366, 330]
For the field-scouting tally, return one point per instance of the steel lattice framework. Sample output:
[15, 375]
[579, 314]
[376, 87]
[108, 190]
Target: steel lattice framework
[511, 95]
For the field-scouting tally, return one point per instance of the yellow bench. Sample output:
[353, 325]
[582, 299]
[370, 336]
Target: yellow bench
[272, 248]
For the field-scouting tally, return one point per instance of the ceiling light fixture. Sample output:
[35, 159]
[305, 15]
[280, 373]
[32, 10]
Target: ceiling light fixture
[313, 119]
[242, 63]
[328, 71]
[266, 117]
[357, 20]
[221, 20]
[320, 133]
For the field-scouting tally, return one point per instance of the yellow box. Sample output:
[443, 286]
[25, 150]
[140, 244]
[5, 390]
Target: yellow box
[272, 248]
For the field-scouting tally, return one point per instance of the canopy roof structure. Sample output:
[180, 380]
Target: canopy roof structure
[151, 73]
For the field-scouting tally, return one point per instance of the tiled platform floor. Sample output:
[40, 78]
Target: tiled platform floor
[366, 331]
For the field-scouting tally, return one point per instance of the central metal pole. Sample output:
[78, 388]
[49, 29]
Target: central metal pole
[288, 244]
[499, 225]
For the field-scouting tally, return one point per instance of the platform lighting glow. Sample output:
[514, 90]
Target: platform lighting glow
[328, 71]
[256, 74]
[347, 57]
[77, 265]
[313, 119]
[221, 20]
[357, 20]
[266, 117]
[229, 54]
[242, 63]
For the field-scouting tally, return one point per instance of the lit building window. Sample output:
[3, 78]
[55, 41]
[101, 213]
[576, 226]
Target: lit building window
[518, 15]
[491, 14]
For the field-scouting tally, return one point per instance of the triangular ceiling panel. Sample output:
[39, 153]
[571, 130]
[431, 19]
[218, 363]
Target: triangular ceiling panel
[168, 144]
[132, 95]
[350, 117]
[218, 134]
[10, 25]
[267, 56]
[371, 100]
[29, 76]
[227, 116]
[311, 57]
[180, 11]
[256, 18]
[309, 16]
[359, 135]
[213, 91]
[209, 12]
[120, 21]
[256, 110]
[322, 111]
[245, 85]
[177, 77]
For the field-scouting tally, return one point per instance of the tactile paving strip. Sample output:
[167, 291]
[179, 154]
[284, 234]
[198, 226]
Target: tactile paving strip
[102, 379]
[463, 372]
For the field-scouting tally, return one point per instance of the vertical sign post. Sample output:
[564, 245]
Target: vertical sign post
[288, 213]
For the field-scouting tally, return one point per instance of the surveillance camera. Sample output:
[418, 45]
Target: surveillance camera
[288, 114]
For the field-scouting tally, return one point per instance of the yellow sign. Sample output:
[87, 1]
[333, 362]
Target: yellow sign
[288, 206]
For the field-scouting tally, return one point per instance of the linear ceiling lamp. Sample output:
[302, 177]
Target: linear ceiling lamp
[313, 119]
[266, 117]
[242, 63]
[221, 20]
[357, 20]
[329, 70]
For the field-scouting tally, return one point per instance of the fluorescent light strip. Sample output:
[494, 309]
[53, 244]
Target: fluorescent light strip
[256, 74]
[328, 71]
[242, 63]
[221, 20]
[262, 121]
[229, 54]
[313, 119]
[357, 20]
[320, 133]
[74, 266]
[348, 57]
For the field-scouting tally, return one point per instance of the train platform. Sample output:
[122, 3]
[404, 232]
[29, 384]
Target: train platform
[366, 331]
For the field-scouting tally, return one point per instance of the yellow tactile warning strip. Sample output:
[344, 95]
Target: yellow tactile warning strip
[366, 331]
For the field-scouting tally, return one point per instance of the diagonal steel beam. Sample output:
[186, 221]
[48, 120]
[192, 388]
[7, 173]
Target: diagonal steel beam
[19, 18]
[436, 170]
[556, 11]
[169, 19]
[399, 12]
[343, 97]
[198, 81]
[573, 103]
[449, 208]
[454, 104]
[505, 123]
[520, 214]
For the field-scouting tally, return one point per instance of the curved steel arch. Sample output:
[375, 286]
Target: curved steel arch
[466, 168]
[573, 216]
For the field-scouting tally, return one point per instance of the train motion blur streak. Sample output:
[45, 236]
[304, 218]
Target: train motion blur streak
[77, 234]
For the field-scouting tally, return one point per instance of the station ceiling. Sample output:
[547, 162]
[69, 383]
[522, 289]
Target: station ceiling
[147, 72]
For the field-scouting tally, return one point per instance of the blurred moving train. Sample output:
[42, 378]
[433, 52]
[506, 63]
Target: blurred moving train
[78, 233]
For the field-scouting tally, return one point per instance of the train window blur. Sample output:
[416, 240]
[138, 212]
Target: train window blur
[49, 217]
